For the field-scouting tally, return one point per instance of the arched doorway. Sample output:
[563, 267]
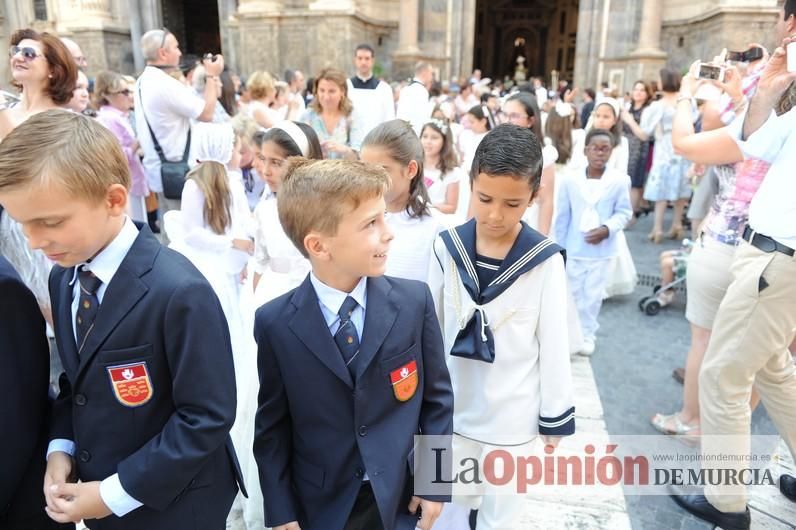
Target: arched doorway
[542, 31]
[195, 23]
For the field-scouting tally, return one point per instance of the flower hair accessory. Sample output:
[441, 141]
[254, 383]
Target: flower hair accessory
[439, 124]
[563, 109]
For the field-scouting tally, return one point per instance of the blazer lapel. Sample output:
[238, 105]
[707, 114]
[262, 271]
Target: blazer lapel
[63, 326]
[380, 315]
[308, 324]
[122, 294]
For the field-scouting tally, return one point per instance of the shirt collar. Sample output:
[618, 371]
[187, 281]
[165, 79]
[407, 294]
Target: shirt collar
[107, 262]
[363, 79]
[332, 299]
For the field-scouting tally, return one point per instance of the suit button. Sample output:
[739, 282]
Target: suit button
[363, 430]
[360, 472]
[80, 400]
[84, 456]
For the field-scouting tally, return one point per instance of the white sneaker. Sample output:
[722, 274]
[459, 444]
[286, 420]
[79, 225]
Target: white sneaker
[588, 347]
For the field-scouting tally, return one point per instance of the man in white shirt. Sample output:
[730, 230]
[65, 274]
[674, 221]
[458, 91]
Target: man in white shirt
[372, 98]
[757, 318]
[168, 106]
[295, 84]
[540, 90]
[413, 103]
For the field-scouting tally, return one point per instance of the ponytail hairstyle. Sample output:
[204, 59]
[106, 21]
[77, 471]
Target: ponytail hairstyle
[448, 159]
[399, 139]
[481, 112]
[211, 178]
[531, 107]
[559, 129]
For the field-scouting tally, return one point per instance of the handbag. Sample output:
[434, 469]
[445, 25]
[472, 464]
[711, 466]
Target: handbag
[172, 174]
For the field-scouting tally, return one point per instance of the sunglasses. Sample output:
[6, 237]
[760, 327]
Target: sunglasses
[166, 33]
[126, 92]
[28, 53]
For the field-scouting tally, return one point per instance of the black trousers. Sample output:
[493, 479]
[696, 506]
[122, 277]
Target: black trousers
[365, 513]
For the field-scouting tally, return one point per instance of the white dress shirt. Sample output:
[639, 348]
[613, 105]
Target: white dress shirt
[773, 208]
[104, 266]
[414, 105]
[372, 107]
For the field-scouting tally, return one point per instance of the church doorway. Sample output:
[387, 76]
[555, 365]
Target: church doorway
[520, 39]
[195, 23]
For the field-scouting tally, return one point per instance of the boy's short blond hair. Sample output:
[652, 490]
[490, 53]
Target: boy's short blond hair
[316, 194]
[63, 147]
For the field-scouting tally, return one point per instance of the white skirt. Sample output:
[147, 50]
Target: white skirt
[622, 278]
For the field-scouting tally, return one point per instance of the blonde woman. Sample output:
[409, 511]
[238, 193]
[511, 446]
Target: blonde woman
[329, 114]
[262, 90]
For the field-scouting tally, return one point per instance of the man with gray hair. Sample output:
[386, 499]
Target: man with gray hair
[165, 107]
[76, 52]
[413, 103]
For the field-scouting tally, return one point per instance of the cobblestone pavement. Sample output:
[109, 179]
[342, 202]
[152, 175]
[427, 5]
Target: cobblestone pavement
[632, 367]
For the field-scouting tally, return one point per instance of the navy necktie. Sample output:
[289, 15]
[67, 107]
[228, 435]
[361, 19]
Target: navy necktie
[88, 305]
[346, 336]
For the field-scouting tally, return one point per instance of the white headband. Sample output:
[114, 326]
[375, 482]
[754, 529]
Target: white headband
[296, 134]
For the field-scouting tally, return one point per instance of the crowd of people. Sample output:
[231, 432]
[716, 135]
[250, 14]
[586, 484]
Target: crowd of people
[243, 358]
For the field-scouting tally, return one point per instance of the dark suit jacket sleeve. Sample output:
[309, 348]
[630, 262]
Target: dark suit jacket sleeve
[199, 355]
[61, 415]
[436, 414]
[272, 432]
[24, 359]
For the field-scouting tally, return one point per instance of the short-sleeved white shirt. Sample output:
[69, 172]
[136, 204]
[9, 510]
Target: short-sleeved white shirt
[169, 106]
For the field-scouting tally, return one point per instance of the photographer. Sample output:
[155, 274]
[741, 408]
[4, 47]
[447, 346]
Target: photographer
[167, 107]
[756, 320]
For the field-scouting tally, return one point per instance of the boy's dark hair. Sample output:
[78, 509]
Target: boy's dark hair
[670, 80]
[599, 132]
[486, 96]
[591, 94]
[509, 151]
[366, 47]
[790, 8]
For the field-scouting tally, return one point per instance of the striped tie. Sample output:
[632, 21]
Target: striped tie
[346, 336]
[88, 305]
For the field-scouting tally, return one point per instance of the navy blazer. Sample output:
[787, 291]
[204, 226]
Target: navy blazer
[24, 378]
[171, 448]
[317, 433]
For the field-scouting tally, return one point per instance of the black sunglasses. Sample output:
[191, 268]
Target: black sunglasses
[28, 53]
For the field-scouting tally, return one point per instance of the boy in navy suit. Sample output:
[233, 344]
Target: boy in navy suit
[148, 394]
[351, 365]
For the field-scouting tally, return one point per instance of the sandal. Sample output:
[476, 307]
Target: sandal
[672, 425]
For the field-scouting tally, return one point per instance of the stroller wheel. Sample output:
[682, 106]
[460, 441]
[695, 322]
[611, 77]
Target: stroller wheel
[642, 302]
[656, 289]
[652, 307]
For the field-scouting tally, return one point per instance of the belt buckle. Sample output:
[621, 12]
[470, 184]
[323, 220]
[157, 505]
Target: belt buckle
[764, 243]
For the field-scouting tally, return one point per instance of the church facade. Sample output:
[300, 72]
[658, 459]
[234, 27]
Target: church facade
[586, 41]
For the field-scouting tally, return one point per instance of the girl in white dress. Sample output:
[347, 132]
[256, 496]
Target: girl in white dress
[278, 265]
[441, 173]
[211, 230]
[394, 146]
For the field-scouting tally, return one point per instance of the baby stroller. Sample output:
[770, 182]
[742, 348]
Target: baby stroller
[662, 295]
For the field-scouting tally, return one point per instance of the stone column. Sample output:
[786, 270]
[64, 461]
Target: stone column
[648, 58]
[407, 28]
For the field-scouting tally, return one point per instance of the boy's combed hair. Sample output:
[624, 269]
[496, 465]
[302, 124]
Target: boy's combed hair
[509, 151]
[63, 147]
[316, 194]
[402, 144]
[598, 132]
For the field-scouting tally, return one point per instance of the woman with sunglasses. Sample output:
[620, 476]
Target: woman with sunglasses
[114, 97]
[44, 72]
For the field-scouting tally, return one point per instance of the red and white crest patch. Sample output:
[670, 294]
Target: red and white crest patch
[404, 381]
[131, 384]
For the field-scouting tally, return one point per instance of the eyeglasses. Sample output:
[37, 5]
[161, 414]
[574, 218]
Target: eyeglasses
[166, 33]
[517, 116]
[28, 54]
[600, 150]
[126, 92]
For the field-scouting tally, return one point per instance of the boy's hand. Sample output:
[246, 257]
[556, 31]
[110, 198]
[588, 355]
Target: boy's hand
[74, 502]
[289, 526]
[597, 235]
[430, 512]
[551, 440]
[59, 471]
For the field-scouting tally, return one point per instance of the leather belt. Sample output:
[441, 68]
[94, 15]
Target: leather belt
[765, 243]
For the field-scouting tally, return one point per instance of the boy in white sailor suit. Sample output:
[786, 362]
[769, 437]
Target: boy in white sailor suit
[500, 293]
[592, 209]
